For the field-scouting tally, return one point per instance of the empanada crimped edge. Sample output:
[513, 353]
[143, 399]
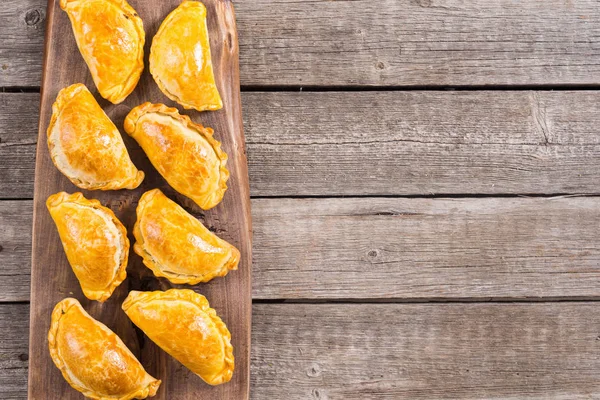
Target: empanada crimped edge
[78, 198]
[125, 89]
[207, 133]
[156, 267]
[202, 303]
[64, 96]
[185, 4]
[61, 309]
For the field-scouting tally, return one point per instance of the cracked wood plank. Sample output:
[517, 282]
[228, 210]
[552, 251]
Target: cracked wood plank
[376, 43]
[417, 351]
[368, 248]
[384, 143]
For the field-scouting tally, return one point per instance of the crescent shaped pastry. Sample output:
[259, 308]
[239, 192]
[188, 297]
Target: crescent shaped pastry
[86, 146]
[93, 359]
[182, 323]
[175, 245]
[110, 37]
[183, 152]
[94, 240]
[180, 60]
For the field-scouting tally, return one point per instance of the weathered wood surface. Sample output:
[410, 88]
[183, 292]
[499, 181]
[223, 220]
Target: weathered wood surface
[386, 42]
[15, 250]
[426, 248]
[380, 143]
[14, 334]
[19, 115]
[52, 280]
[22, 24]
[413, 143]
[396, 351]
[390, 143]
[394, 248]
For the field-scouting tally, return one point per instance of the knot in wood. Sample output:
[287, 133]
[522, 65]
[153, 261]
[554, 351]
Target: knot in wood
[33, 17]
[314, 370]
[424, 3]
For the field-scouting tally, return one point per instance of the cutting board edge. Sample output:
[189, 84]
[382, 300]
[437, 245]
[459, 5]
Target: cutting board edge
[41, 131]
[40, 203]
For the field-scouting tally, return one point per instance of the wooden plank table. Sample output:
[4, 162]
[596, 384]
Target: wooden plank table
[410, 241]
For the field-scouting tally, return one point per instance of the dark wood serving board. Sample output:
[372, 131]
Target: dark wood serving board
[52, 278]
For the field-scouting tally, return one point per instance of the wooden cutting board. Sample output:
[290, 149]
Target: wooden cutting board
[52, 277]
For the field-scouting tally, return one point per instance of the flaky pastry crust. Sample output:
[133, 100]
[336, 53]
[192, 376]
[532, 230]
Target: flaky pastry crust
[86, 146]
[110, 37]
[175, 245]
[93, 359]
[183, 152]
[94, 240]
[182, 323]
[180, 59]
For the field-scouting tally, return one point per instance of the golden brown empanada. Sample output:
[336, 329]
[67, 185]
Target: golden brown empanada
[110, 36]
[94, 240]
[86, 146]
[180, 60]
[93, 359]
[182, 323]
[175, 245]
[183, 152]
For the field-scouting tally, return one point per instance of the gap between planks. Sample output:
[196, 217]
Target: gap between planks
[437, 196]
[414, 88]
[433, 301]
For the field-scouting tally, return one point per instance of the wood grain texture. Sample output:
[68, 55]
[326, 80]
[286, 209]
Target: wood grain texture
[52, 279]
[427, 248]
[394, 248]
[383, 43]
[414, 143]
[419, 42]
[419, 143]
[14, 331]
[23, 24]
[15, 250]
[19, 117]
[397, 351]
[451, 351]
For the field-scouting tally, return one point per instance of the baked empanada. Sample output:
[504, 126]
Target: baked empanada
[183, 152]
[182, 323]
[86, 146]
[94, 240]
[180, 60]
[110, 36]
[175, 245]
[93, 359]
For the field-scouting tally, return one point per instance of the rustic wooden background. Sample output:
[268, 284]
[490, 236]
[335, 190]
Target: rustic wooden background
[425, 190]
